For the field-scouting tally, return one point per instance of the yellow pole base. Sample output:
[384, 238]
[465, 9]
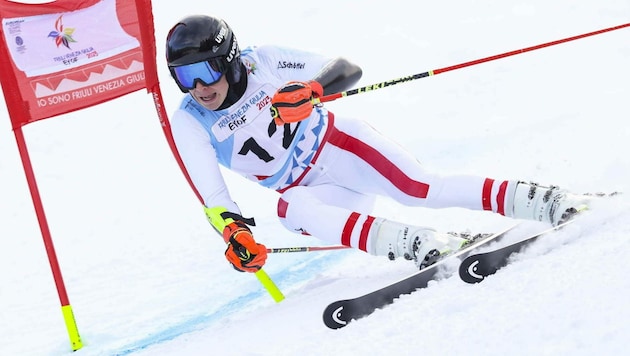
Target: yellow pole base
[71, 325]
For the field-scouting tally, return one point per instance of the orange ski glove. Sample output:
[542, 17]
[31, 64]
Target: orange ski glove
[242, 251]
[292, 102]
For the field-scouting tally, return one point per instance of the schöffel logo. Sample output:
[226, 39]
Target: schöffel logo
[290, 65]
[61, 35]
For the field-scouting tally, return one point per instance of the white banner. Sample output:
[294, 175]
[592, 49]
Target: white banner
[52, 43]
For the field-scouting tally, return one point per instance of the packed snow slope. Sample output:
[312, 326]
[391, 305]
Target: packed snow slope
[146, 274]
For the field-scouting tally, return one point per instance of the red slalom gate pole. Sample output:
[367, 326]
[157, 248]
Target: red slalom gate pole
[66, 308]
[384, 84]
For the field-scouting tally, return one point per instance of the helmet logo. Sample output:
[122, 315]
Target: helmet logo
[232, 52]
[219, 38]
[221, 35]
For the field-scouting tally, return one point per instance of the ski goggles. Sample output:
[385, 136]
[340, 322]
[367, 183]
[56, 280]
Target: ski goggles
[206, 72]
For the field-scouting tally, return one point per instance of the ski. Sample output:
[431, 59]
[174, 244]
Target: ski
[475, 267]
[338, 314]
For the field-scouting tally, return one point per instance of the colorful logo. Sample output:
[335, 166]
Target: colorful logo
[62, 36]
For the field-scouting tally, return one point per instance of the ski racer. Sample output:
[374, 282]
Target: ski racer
[251, 111]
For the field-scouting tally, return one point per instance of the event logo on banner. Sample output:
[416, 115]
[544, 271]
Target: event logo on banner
[70, 60]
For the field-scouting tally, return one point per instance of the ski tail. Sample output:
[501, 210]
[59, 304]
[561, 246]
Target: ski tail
[338, 314]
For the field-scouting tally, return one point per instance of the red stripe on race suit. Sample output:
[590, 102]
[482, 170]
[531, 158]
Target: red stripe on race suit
[379, 162]
[348, 228]
[486, 194]
[365, 231]
[282, 208]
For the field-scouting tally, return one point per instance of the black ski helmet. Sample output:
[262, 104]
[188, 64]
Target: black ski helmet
[197, 38]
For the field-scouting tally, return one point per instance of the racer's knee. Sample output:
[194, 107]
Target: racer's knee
[284, 203]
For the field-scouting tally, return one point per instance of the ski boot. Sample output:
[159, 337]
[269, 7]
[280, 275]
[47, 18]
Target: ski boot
[423, 245]
[548, 204]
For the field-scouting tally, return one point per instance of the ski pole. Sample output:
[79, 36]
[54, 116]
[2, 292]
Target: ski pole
[387, 83]
[305, 249]
[262, 276]
[269, 285]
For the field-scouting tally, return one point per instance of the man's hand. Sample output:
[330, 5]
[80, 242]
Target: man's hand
[292, 102]
[242, 251]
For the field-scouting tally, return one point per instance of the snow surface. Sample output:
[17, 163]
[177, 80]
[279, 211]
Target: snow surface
[146, 275]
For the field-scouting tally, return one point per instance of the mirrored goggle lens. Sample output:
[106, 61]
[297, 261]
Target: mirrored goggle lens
[205, 72]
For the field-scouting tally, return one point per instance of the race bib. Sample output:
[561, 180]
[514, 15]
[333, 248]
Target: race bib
[244, 113]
